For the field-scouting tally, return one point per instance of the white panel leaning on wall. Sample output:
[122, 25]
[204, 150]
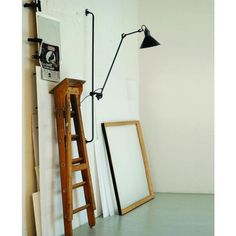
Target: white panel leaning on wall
[37, 213]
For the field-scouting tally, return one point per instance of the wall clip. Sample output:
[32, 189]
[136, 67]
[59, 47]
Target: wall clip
[35, 40]
[34, 5]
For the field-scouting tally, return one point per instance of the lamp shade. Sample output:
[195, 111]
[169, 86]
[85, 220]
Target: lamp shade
[148, 40]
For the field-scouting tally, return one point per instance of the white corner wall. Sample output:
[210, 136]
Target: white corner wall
[176, 94]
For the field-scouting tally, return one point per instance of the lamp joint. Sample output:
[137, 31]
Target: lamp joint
[98, 95]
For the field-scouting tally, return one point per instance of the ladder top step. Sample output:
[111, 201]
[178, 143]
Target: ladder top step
[80, 208]
[68, 83]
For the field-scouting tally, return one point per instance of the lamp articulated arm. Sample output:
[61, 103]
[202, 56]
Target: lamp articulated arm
[99, 95]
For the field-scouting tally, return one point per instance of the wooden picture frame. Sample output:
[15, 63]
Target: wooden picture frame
[149, 189]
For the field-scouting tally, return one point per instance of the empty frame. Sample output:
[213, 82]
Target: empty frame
[128, 164]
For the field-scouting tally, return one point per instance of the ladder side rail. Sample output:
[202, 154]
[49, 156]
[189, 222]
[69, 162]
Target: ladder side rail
[88, 189]
[59, 98]
[68, 157]
[82, 141]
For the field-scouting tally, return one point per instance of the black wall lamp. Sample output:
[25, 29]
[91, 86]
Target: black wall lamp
[148, 41]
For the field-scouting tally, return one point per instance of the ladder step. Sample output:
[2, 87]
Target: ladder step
[79, 167]
[78, 185]
[80, 208]
[74, 137]
[77, 160]
[72, 113]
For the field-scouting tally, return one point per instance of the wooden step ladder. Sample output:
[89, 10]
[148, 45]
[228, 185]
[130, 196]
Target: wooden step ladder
[67, 105]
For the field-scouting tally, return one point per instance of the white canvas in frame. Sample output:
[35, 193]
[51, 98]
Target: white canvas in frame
[128, 164]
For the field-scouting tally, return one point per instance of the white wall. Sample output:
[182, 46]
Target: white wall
[176, 94]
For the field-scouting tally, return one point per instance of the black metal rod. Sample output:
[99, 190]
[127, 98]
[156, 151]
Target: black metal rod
[92, 97]
[118, 49]
[137, 31]
[99, 95]
[122, 37]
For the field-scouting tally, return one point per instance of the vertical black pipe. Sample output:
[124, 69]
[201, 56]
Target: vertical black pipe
[100, 94]
[92, 97]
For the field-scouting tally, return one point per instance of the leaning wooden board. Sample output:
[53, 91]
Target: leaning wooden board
[37, 213]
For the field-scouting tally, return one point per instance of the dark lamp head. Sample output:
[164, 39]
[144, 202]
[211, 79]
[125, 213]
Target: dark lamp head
[148, 40]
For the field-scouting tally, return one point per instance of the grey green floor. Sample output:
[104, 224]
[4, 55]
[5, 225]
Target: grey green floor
[167, 215]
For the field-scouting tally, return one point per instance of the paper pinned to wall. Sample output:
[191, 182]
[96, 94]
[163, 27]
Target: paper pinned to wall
[50, 61]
